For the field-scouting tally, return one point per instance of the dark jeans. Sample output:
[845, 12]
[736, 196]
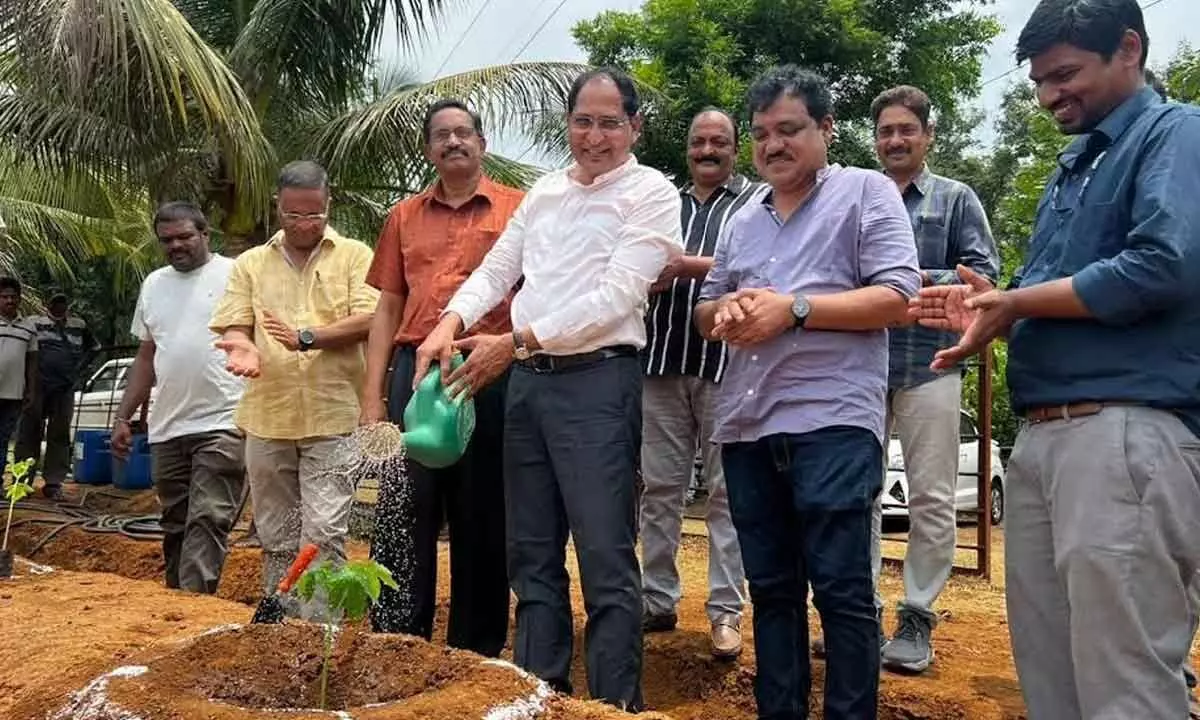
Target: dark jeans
[199, 480]
[802, 508]
[570, 448]
[472, 494]
[10, 413]
[48, 417]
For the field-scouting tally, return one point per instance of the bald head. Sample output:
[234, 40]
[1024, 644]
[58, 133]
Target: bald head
[712, 148]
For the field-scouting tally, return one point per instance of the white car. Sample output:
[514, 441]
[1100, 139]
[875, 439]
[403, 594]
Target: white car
[966, 495]
[96, 403]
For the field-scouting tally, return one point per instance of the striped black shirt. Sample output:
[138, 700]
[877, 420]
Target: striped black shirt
[673, 347]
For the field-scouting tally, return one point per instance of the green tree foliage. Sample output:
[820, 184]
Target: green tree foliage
[695, 53]
[203, 100]
[1182, 76]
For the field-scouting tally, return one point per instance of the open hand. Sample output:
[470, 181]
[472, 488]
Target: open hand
[241, 356]
[285, 334]
[944, 307]
[488, 357]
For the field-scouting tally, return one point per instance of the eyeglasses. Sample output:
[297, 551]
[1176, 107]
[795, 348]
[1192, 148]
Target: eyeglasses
[584, 123]
[441, 137]
[303, 217]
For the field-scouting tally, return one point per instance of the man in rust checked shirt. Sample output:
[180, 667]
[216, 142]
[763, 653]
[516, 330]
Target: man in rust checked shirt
[429, 246]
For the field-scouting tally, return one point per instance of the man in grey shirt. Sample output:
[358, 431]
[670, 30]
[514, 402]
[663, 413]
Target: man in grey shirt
[802, 289]
[924, 405]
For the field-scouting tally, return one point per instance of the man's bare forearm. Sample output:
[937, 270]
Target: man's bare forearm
[343, 333]
[380, 341]
[871, 308]
[141, 381]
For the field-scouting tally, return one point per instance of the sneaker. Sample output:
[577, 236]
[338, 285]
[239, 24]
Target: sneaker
[665, 622]
[818, 643]
[910, 649]
[727, 637]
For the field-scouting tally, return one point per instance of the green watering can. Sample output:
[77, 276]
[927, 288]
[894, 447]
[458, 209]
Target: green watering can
[437, 429]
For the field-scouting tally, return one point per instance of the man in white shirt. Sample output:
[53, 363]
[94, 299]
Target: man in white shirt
[195, 448]
[588, 241]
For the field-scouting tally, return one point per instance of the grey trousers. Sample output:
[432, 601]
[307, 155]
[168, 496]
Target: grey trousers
[676, 414]
[199, 480]
[571, 442]
[1101, 550]
[294, 504]
[926, 418]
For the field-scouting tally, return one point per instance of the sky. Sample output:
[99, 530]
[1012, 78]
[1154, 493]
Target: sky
[476, 33]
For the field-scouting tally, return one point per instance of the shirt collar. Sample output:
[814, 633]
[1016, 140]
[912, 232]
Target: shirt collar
[486, 189]
[1110, 129]
[606, 178]
[331, 238]
[733, 185]
[922, 182]
[822, 175]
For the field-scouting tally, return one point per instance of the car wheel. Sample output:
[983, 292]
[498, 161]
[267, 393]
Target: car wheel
[997, 501]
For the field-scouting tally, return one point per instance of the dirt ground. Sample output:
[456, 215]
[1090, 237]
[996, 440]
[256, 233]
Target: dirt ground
[65, 628]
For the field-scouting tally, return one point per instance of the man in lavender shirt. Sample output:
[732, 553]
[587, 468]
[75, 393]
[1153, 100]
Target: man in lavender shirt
[802, 289]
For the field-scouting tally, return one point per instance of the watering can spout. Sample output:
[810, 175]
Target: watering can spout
[437, 428]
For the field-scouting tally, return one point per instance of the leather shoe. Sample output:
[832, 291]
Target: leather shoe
[727, 637]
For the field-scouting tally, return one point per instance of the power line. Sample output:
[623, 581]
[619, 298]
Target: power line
[1017, 67]
[543, 26]
[437, 73]
[521, 31]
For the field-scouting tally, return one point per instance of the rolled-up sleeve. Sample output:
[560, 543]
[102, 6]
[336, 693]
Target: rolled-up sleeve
[1160, 265]
[236, 307]
[363, 297]
[650, 236]
[496, 275]
[888, 250]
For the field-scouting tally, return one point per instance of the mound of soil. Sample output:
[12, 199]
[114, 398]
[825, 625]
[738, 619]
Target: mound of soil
[273, 671]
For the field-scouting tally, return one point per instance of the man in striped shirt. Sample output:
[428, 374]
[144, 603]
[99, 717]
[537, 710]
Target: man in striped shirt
[681, 371]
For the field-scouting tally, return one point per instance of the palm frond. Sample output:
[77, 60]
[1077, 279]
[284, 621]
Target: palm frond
[319, 49]
[386, 133]
[68, 216]
[140, 65]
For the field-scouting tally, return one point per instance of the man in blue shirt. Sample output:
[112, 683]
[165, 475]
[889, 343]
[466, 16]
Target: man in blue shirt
[1103, 324]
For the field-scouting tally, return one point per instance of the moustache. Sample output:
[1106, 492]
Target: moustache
[454, 151]
[781, 155]
[708, 159]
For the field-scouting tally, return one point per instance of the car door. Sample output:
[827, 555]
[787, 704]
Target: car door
[96, 403]
[967, 492]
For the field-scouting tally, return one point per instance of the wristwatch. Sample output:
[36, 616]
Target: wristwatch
[306, 340]
[800, 310]
[520, 350]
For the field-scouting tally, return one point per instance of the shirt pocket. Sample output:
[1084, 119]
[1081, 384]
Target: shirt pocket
[1095, 232]
[329, 296]
[932, 234]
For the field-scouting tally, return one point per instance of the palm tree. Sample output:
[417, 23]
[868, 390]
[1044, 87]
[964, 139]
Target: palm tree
[139, 101]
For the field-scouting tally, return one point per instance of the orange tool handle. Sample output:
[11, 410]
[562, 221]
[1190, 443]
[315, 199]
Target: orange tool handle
[299, 565]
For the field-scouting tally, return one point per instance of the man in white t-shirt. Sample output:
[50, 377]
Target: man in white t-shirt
[196, 449]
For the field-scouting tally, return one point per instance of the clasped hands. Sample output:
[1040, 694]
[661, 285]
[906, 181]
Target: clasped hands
[752, 315]
[975, 308]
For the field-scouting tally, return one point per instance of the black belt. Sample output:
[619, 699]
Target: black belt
[558, 363]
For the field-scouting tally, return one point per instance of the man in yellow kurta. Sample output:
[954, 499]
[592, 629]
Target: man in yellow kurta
[293, 319]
